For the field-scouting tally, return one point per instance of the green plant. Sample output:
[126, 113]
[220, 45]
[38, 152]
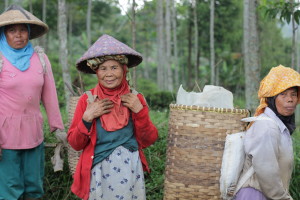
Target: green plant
[156, 156]
[160, 100]
[295, 182]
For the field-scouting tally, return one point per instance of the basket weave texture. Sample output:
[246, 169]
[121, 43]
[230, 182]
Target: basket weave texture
[73, 156]
[196, 140]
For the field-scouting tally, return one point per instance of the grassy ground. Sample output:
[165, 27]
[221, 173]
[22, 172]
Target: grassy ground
[57, 185]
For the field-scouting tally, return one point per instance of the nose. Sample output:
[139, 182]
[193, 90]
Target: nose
[18, 33]
[290, 98]
[109, 72]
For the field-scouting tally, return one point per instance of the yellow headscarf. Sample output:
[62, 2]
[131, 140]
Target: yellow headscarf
[279, 79]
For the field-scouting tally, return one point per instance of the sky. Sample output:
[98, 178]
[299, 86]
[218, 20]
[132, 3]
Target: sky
[126, 4]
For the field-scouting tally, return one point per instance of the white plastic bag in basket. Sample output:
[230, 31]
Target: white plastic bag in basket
[212, 96]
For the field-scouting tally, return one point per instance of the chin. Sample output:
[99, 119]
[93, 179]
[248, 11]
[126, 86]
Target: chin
[288, 114]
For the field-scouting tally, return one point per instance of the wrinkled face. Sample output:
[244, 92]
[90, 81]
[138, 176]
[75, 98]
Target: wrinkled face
[17, 35]
[110, 74]
[286, 101]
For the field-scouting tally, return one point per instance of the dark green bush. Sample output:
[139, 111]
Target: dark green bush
[160, 100]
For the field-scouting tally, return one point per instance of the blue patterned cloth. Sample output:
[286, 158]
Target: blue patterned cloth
[118, 177]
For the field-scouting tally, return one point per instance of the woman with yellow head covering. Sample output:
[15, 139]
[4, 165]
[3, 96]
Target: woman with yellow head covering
[268, 143]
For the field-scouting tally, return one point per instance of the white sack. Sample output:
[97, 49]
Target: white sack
[212, 96]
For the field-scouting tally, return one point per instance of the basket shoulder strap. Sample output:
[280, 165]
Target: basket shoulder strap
[40, 51]
[259, 118]
[133, 91]
[243, 179]
[91, 97]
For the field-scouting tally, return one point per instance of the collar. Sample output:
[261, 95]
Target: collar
[273, 116]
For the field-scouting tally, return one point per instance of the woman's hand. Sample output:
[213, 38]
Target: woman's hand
[97, 109]
[132, 102]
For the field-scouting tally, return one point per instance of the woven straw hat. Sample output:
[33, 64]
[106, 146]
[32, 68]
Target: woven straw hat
[17, 15]
[104, 46]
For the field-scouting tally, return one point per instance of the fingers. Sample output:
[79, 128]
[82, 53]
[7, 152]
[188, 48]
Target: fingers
[105, 105]
[132, 102]
[97, 109]
[127, 98]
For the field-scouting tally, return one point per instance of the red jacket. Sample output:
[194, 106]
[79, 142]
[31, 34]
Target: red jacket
[80, 139]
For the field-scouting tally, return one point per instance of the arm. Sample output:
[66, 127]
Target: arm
[262, 143]
[78, 134]
[145, 131]
[85, 113]
[50, 100]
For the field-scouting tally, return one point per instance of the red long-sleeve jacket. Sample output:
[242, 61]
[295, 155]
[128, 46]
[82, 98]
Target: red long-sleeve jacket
[82, 139]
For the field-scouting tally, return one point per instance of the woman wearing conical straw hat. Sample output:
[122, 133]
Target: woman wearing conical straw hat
[26, 79]
[268, 143]
[112, 129]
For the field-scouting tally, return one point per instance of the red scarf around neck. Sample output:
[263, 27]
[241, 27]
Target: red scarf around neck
[119, 115]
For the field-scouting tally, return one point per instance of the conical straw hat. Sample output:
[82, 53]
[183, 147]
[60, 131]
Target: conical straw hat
[107, 45]
[17, 15]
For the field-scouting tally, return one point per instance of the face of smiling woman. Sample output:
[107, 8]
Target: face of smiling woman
[110, 74]
[17, 35]
[286, 101]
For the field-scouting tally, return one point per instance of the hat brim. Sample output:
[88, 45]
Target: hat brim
[17, 15]
[133, 60]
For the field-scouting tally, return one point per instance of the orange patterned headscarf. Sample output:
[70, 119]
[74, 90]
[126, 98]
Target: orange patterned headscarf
[279, 79]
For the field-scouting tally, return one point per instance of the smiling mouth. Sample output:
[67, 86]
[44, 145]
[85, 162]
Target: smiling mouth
[110, 81]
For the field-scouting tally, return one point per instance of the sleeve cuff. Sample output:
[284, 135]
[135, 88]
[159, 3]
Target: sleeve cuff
[88, 125]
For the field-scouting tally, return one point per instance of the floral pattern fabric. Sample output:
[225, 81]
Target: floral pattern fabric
[118, 177]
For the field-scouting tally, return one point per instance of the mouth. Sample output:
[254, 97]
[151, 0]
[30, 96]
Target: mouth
[19, 42]
[109, 81]
[290, 108]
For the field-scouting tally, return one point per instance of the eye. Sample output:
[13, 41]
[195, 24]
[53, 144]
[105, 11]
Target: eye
[24, 29]
[102, 68]
[10, 30]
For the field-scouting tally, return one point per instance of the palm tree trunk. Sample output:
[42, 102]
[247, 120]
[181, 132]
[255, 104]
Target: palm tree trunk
[88, 23]
[63, 50]
[133, 30]
[212, 43]
[251, 54]
[160, 44]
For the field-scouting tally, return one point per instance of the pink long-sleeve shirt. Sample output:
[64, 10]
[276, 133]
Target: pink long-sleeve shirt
[21, 121]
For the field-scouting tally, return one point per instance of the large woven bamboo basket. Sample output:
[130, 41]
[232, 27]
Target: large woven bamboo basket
[195, 148]
[73, 156]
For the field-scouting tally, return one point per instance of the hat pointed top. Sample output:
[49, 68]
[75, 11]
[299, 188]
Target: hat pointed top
[107, 45]
[15, 14]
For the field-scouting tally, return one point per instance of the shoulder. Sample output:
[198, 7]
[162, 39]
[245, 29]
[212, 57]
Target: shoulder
[84, 96]
[263, 128]
[265, 123]
[142, 99]
[38, 49]
[40, 52]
